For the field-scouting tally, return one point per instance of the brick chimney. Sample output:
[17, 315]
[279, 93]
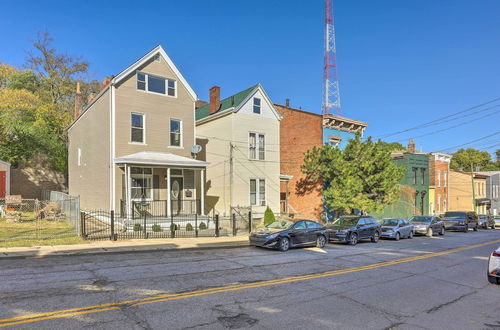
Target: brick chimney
[106, 81]
[411, 146]
[214, 99]
[78, 101]
[287, 103]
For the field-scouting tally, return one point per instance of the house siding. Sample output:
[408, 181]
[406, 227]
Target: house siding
[91, 180]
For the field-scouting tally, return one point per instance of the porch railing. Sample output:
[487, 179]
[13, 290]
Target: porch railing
[159, 208]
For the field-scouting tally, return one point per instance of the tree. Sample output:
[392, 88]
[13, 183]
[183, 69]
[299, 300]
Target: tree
[362, 176]
[269, 216]
[465, 159]
[393, 146]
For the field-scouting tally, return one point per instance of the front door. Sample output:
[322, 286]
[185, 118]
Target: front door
[3, 184]
[176, 188]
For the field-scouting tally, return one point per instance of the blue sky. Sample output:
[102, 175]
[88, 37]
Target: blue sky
[401, 62]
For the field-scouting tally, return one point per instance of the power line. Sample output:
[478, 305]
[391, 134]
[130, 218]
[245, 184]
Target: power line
[470, 142]
[436, 121]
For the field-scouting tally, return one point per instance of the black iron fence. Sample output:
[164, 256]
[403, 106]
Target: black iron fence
[160, 207]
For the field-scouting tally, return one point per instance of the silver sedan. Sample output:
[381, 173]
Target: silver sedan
[396, 229]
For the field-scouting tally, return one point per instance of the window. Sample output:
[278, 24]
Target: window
[141, 81]
[445, 178]
[422, 170]
[142, 183]
[414, 175]
[154, 84]
[175, 133]
[300, 225]
[256, 105]
[439, 203]
[257, 192]
[137, 126]
[256, 146]
[335, 140]
[439, 179]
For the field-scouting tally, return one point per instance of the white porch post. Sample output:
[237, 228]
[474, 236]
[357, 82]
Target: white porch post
[128, 192]
[202, 192]
[169, 204]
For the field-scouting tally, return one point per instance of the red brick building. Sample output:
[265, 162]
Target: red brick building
[300, 131]
[439, 169]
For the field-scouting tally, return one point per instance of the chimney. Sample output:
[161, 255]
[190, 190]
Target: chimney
[106, 81]
[411, 146]
[78, 101]
[287, 103]
[214, 99]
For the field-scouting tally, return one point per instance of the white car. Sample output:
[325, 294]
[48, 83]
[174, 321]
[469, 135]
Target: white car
[494, 267]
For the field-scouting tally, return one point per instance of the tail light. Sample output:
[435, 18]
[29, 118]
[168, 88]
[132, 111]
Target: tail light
[495, 253]
[494, 272]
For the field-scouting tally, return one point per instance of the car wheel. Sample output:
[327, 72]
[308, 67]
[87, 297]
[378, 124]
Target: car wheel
[397, 236]
[441, 232]
[429, 232]
[353, 239]
[493, 279]
[466, 229]
[283, 244]
[376, 237]
[321, 241]
[411, 235]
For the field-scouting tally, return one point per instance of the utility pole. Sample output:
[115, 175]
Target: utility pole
[473, 188]
[231, 175]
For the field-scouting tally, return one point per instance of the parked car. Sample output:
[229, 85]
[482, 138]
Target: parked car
[427, 225]
[351, 229]
[496, 218]
[494, 267]
[486, 221]
[284, 234]
[396, 229]
[461, 220]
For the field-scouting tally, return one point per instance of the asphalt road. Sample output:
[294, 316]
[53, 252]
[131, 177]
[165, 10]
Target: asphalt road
[367, 286]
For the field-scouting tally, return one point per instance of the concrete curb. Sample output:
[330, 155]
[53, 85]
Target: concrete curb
[50, 251]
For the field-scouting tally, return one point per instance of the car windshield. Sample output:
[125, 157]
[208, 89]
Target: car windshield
[280, 224]
[454, 215]
[420, 219]
[390, 222]
[346, 221]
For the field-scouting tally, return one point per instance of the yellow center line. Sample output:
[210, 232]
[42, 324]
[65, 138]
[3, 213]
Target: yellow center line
[235, 287]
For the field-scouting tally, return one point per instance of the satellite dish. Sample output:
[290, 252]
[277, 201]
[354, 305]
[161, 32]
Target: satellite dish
[195, 150]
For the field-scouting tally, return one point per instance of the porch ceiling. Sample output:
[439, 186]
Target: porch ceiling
[159, 158]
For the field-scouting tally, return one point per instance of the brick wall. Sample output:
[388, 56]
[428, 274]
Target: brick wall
[299, 132]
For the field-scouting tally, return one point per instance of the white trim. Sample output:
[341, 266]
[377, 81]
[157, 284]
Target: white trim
[143, 128]
[113, 146]
[257, 146]
[169, 200]
[266, 98]
[170, 132]
[202, 192]
[257, 191]
[215, 116]
[157, 50]
[79, 156]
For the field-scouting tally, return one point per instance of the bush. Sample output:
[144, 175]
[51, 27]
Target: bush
[156, 228]
[137, 227]
[173, 227]
[202, 226]
[189, 227]
[269, 216]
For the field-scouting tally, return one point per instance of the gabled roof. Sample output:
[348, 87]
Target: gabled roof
[227, 103]
[157, 50]
[159, 158]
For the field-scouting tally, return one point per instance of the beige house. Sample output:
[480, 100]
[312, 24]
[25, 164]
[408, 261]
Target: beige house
[240, 136]
[462, 197]
[134, 142]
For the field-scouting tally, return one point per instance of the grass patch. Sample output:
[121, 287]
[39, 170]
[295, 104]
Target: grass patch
[39, 232]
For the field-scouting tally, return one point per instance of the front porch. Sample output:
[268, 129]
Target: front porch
[161, 185]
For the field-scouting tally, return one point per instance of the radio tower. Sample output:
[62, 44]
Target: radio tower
[331, 94]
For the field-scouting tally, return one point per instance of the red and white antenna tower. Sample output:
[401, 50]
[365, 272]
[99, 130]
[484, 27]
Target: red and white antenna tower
[331, 94]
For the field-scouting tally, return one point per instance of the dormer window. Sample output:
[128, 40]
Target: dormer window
[155, 84]
[256, 105]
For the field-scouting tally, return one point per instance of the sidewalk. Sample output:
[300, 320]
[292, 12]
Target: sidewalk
[133, 245]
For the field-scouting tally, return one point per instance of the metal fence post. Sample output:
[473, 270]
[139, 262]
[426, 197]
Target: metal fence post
[112, 237]
[82, 224]
[144, 229]
[196, 225]
[217, 234]
[249, 221]
[172, 226]
[234, 224]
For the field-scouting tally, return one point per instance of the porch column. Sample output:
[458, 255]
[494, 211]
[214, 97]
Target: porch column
[169, 203]
[128, 191]
[202, 192]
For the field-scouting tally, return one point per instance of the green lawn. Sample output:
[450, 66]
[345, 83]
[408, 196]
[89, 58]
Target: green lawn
[39, 232]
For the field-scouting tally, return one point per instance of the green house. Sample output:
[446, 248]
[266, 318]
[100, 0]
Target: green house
[414, 187]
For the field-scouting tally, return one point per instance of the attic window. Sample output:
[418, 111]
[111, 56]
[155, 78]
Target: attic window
[158, 85]
[256, 105]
